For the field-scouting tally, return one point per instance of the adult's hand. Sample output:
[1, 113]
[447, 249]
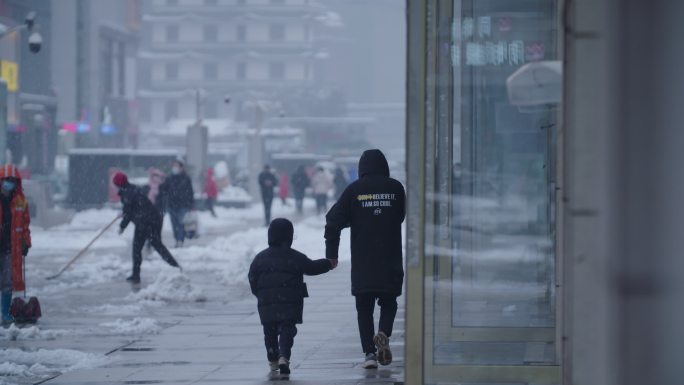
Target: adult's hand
[333, 263]
[25, 251]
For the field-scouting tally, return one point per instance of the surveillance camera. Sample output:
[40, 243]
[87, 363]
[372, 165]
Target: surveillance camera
[30, 19]
[35, 42]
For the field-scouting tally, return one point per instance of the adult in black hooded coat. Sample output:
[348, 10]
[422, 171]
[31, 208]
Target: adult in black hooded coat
[374, 208]
[276, 278]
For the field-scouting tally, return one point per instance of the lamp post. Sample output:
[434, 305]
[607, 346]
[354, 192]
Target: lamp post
[35, 43]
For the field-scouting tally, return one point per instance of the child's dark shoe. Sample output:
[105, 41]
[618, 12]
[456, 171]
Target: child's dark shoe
[284, 365]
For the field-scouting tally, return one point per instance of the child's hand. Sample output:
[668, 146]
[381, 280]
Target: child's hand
[333, 263]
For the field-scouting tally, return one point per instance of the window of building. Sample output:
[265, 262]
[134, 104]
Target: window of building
[172, 33]
[277, 70]
[242, 71]
[210, 33]
[210, 110]
[241, 32]
[120, 59]
[277, 32]
[172, 71]
[171, 111]
[210, 71]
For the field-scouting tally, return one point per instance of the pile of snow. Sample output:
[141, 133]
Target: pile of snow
[90, 270]
[234, 194]
[116, 310]
[13, 333]
[45, 362]
[133, 326]
[171, 286]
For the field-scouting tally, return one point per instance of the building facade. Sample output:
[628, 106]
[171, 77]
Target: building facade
[96, 69]
[31, 102]
[198, 53]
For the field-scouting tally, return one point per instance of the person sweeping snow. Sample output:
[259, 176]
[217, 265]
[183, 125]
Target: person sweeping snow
[15, 236]
[138, 209]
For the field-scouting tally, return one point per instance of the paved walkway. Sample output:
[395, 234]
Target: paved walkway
[222, 343]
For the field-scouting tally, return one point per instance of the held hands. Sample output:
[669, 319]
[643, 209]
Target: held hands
[333, 263]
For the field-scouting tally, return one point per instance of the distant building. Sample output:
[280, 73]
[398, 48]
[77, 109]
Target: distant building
[95, 70]
[248, 49]
[31, 104]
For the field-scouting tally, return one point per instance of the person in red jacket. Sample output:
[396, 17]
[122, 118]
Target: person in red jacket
[211, 189]
[284, 188]
[15, 236]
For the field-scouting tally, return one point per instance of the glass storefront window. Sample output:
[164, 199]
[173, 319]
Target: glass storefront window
[489, 295]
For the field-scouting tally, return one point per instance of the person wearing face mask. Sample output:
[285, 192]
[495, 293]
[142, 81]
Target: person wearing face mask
[137, 208]
[15, 236]
[178, 195]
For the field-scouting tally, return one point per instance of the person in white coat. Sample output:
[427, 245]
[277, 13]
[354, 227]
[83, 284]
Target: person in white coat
[321, 184]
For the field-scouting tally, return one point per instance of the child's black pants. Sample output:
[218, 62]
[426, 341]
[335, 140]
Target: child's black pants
[279, 338]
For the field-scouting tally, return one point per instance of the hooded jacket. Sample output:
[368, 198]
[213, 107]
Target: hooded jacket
[300, 181]
[267, 182]
[20, 234]
[276, 276]
[177, 192]
[137, 207]
[374, 208]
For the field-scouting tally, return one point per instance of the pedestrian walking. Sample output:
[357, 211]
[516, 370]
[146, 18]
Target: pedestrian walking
[321, 183]
[179, 198]
[211, 190]
[138, 209]
[284, 188]
[340, 181]
[374, 208]
[300, 181]
[276, 278]
[267, 182]
[15, 237]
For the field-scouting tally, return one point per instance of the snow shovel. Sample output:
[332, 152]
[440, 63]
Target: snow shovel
[80, 253]
[25, 312]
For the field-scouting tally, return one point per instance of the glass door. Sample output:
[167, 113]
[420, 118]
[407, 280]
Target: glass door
[489, 261]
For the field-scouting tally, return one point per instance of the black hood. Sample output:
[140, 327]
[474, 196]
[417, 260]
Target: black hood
[280, 233]
[373, 162]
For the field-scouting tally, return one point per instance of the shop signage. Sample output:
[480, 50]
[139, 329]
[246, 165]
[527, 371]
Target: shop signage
[9, 71]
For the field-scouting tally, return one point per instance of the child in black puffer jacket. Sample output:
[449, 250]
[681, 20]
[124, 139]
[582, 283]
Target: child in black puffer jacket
[276, 278]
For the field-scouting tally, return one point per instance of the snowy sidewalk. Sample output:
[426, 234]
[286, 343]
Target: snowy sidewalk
[197, 327]
[225, 346]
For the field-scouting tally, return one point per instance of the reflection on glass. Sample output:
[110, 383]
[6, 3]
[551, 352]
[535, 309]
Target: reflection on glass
[493, 289]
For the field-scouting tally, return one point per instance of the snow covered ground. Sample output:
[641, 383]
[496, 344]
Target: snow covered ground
[90, 309]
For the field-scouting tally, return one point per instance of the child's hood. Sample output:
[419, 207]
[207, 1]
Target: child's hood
[280, 233]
